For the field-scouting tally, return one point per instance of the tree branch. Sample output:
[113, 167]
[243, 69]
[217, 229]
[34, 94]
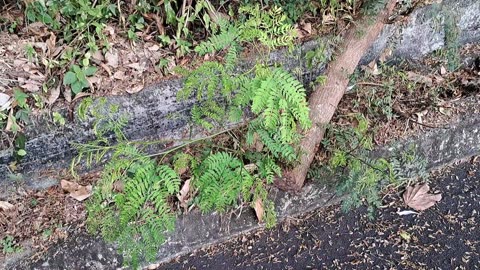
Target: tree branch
[324, 100]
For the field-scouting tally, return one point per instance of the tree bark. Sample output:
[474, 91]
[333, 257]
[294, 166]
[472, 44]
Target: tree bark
[324, 100]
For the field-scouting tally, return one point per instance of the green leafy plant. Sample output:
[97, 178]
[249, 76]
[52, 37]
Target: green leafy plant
[139, 213]
[13, 117]
[220, 178]
[9, 245]
[58, 119]
[76, 78]
[361, 177]
[270, 28]
[133, 199]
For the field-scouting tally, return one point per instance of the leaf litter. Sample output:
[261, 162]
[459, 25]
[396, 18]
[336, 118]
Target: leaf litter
[418, 198]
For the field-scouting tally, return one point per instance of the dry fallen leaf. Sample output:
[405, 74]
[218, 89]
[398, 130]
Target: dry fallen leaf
[140, 67]
[10, 121]
[5, 206]
[67, 94]
[385, 55]
[183, 196]
[134, 89]
[412, 76]
[5, 102]
[417, 197]
[259, 211]
[372, 68]
[76, 191]
[250, 167]
[119, 186]
[420, 116]
[328, 19]
[119, 75]
[112, 58]
[443, 70]
[54, 94]
[303, 29]
[81, 95]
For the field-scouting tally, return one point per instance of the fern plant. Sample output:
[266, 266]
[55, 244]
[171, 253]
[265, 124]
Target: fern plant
[224, 181]
[220, 179]
[270, 28]
[131, 203]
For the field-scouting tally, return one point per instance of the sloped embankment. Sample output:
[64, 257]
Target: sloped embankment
[150, 117]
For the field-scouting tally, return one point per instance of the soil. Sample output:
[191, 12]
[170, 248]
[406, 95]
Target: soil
[442, 237]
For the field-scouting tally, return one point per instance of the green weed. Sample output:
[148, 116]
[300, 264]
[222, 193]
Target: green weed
[361, 177]
[76, 78]
[9, 245]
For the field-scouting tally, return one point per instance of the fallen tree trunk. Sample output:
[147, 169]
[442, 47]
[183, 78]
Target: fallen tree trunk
[324, 100]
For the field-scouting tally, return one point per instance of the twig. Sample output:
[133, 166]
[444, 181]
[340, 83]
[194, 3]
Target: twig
[370, 84]
[426, 125]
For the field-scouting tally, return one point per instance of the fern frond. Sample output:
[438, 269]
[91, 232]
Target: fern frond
[281, 101]
[168, 179]
[226, 38]
[231, 58]
[220, 180]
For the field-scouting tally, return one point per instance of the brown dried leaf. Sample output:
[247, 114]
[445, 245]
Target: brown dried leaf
[257, 142]
[98, 57]
[140, 67]
[9, 125]
[385, 55]
[134, 89]
[183, 196]
[259, 211]
[412, 76]
[417, 197]
[443, 70]
[154, 48]
[6, 206]
[31, 86]
[51, 42]
[250, 167]
[303, 29]
[76, 191]
[37, 28]
[328, 19]
[372, 68]
[110, 31]
[118, 186]
[119, 75]
[215, 15]
[106, 68]
[112, 58]
[81, 95]
[67, 94]
[54, 94]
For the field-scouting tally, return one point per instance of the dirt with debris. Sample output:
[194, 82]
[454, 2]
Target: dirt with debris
[445, 236]
[40, 218]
